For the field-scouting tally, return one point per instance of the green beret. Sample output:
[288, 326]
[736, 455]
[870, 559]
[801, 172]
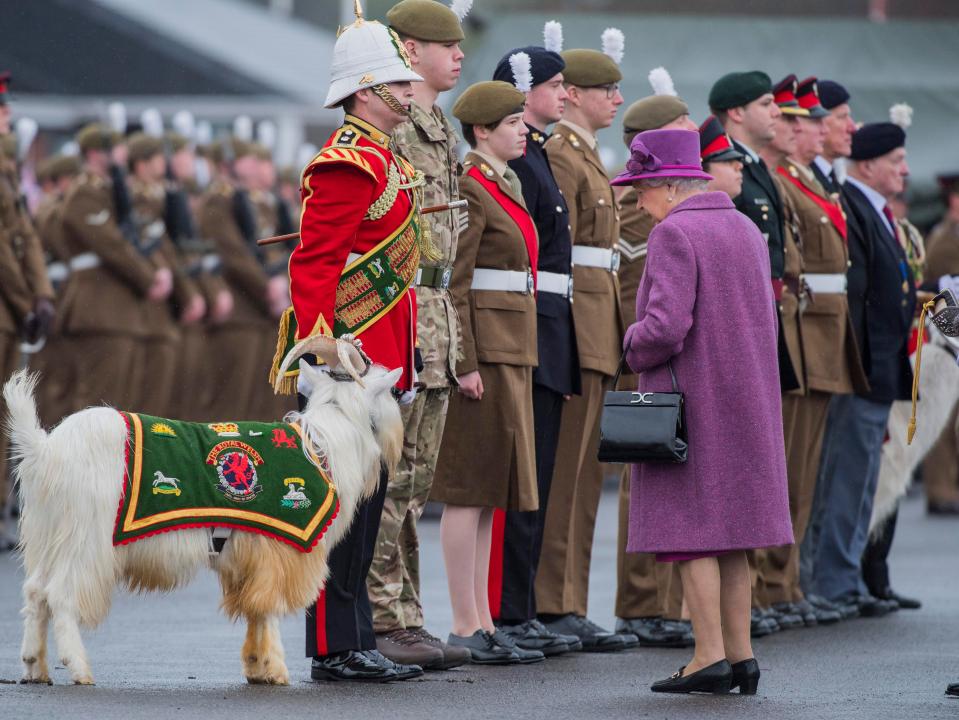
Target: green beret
[739, 88]
[488, 102]
[651, 113]
[97, 136]
[589, 68]
[143, 147]
[425, 20]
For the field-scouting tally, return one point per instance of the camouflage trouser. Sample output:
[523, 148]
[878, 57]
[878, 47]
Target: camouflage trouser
[394, 580]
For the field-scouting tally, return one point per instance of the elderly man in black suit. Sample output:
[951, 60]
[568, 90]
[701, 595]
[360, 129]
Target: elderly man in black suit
[882, 300]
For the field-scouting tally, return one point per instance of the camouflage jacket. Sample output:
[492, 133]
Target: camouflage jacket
[428, 141]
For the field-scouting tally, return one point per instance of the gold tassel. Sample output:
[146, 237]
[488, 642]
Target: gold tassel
[911, 429]
[281, 351]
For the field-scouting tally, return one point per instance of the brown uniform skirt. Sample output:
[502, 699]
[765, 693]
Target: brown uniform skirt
[488, 457]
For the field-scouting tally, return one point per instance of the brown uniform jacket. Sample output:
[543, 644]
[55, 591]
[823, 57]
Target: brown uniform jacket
[244, 274]
[23, 275]
[594, 218]
[830, 353]
[942, 251]
[635, 225]
[108, 298]
[495, 326]
[149, 204]
[789, 306]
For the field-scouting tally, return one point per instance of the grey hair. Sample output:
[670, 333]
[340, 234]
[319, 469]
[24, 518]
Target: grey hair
[683, 185]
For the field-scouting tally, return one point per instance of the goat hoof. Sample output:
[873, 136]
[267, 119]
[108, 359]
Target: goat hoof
[40, 680]
[84, 680]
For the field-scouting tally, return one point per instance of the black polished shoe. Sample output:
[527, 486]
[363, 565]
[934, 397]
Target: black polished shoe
[890, 595]
[656, 632]
[745, 677]
[868, 605]
[484, 650]
[361, 666]
[593, 637]
[715, 679]
[785, 620]
[793, 610]
[530, 636]
[453, 657]
[846, 611]
[952, 689]
[525, 656]
[760, 625]
[572, 641]
[822, 616]
[943, 507]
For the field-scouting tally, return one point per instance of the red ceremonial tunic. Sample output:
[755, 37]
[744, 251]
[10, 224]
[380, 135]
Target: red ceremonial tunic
[337, 189]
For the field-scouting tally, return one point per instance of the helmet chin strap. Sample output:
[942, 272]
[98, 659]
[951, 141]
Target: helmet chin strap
[384, 94]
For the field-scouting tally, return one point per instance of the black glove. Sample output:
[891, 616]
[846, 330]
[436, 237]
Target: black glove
[418, 363]
[37, 323]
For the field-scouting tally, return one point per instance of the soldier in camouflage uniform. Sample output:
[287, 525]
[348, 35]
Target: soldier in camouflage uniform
[431, 33]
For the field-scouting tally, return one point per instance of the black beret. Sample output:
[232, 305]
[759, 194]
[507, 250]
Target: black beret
[832, 94]
[544, 64]
[876, 139]
[739, 88]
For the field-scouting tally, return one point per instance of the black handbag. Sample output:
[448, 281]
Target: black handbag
[643, 427]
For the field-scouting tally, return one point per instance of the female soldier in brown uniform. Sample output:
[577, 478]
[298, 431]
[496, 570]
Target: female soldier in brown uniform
[487, 460]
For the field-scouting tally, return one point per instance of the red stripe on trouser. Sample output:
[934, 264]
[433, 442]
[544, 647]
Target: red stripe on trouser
[495, 583]
[319, 615]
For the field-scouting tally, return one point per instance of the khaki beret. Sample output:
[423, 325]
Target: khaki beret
[58, 166]
[97, 136]
[262, 152]
[143, 147]
[176, 141]
[651, 113]
[739, 88]
[589, 68]
[488, 102]
[425, 20]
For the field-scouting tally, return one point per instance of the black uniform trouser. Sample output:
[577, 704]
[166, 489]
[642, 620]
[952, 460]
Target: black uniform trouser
[875, 558]
[523, 531]
[341, 618]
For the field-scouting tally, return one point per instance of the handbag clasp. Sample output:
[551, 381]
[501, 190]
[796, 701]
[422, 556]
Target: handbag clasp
[641, 398]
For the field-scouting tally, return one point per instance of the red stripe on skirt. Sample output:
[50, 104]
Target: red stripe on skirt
[320, 616]
[495, 583]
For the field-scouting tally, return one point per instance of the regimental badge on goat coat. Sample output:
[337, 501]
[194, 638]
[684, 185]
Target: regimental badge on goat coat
[257, 477]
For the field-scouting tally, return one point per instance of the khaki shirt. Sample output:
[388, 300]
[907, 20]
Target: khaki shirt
[428, 142]
[23, 274]
[594, 219]
[942, 251]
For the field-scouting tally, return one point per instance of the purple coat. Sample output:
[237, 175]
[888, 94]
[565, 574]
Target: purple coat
[706, 303]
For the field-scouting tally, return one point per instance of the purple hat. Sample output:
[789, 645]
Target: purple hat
[663, 154]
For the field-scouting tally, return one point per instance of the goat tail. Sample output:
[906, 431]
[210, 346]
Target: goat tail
[27, 436]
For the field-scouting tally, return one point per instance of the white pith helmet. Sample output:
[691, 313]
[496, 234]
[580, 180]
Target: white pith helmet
[366, 54]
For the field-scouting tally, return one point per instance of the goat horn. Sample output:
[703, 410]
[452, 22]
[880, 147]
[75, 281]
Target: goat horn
[352, 360]
[323, 346]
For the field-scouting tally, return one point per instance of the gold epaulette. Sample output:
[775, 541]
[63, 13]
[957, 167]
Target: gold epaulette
[351, 156]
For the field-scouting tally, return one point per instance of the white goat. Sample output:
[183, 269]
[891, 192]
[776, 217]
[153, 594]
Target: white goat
[71, 480]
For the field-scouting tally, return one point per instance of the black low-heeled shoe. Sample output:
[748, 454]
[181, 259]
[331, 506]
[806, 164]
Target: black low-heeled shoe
[715, 679]
[745, 677]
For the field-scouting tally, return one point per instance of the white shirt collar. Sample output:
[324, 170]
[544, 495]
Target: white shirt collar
[823, 164]
[875, 199]
[749, 151]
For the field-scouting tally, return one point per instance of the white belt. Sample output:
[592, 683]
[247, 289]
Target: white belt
[557, 283]
[826, 283]
[507, 280]
[57, 272]
[84, 261]
[605, 258]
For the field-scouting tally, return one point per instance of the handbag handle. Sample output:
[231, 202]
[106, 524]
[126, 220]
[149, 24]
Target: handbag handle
[622, 364]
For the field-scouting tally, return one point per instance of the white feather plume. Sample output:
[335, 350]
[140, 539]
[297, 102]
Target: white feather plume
[522, 68]
[661, 81]
[461, 8]
[204, 132]
[614, 44]
[152, 122]
[71, 148]
[306, 153]
[184, 123]
[553, 36]
[901, 114]
[117, 117]
[243, 128]
[266, 134]
[26, 130]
